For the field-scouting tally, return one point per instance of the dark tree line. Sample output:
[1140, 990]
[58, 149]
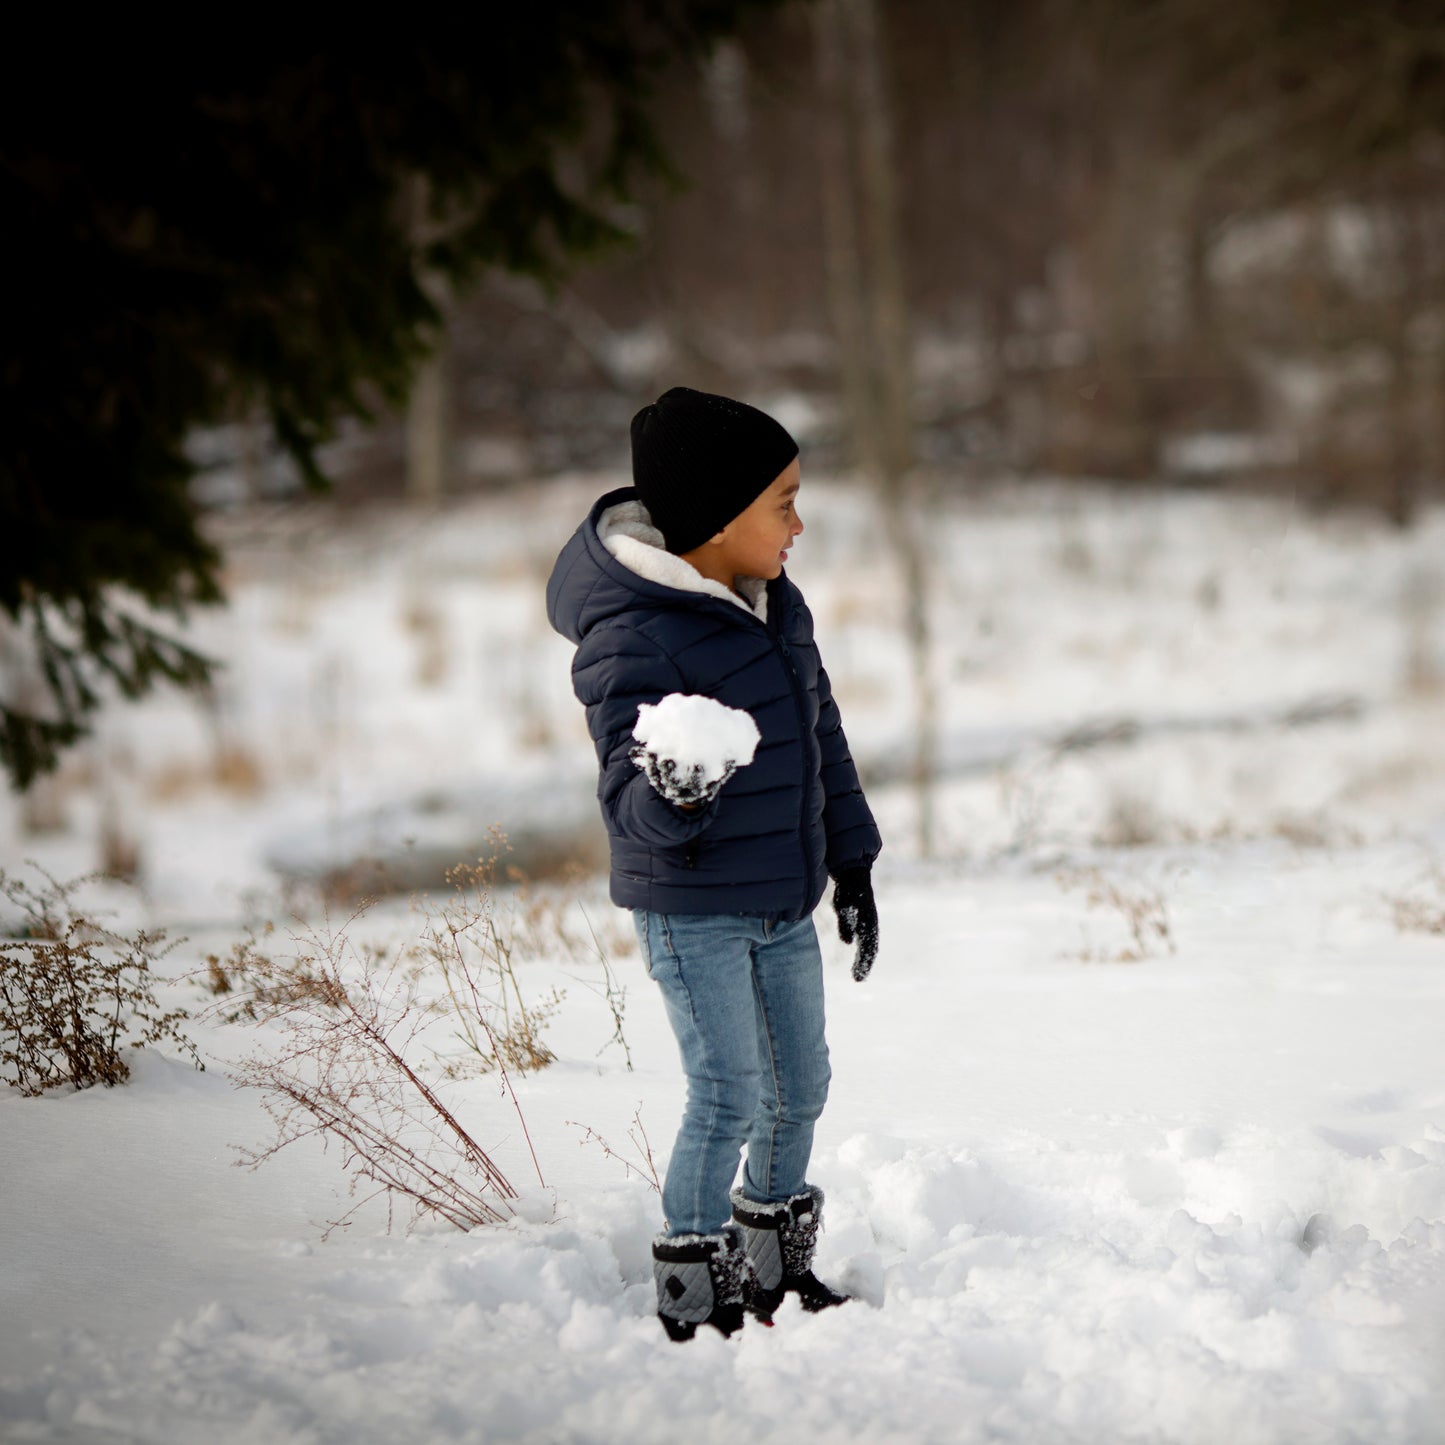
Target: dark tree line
[198, 230]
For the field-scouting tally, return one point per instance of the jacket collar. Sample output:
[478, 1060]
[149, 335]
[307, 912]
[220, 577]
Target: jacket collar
[626, 530]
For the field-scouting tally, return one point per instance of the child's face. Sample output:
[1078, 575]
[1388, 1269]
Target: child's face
[756, 542]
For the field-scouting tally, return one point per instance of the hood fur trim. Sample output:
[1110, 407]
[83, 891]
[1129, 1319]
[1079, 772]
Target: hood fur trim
[627, 532]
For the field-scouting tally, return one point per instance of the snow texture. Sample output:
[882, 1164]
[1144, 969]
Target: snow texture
[697, 732]
[689, 746]
[1190, 1199]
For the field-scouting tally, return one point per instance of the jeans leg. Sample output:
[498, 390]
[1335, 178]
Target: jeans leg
[793, 1056]
[704, 967]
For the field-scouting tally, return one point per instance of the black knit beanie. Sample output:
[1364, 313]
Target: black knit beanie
[699, 459]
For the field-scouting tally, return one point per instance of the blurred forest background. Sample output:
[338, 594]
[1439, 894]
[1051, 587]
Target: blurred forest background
[1157, 242]
[1177, 243]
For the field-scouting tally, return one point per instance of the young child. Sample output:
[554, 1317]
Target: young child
[677, 587]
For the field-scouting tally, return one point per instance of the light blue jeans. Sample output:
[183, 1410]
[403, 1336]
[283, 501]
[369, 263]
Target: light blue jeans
[745, 1000]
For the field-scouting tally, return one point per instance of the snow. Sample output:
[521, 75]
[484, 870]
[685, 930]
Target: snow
[698, 734]
[1203, 453]
[1194, 1197]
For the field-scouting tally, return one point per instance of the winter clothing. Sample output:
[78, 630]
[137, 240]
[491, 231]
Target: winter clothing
[647, 624]
[722, 880]
[780, 1240]
[700, 1280]
[699, 459]
[744, 997]
[688, 787]
[690, 746]
[857, 917]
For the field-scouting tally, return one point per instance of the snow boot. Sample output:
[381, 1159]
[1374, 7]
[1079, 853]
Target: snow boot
[700, 1280]
[780, 1239]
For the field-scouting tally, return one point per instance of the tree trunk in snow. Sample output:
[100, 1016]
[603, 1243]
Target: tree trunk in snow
[426, 433]
[1405, 418]
[427, 429]
[870, 320]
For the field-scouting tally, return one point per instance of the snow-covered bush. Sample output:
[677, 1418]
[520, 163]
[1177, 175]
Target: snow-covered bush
[74, 993]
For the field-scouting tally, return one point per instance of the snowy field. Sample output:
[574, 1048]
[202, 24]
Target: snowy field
[1187, 1186]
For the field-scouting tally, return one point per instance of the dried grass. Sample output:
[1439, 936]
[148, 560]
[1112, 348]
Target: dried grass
[1138, 904]
[352, 1070]
[74, 993]
[1421, 909]
[371, 1036]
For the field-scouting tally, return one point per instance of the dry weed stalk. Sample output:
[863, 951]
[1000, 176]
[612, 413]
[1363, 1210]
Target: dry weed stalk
[422, 618]
[263, 987]
[73, 992]
[614, 994]
[547, 928]
[348, 1071]
[1416, 913]
[471, 942]
[1141, 905]
[643, 1165]
[357, 1021]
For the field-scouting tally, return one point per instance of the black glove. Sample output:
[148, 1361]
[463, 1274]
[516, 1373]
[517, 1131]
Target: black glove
[857, 917]
[686, 788]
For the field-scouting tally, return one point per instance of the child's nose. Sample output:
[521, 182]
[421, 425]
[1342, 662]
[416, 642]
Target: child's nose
[797, 524]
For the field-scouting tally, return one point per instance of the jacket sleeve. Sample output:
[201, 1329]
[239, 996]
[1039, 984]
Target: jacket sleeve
[615, 671]
[853, 837]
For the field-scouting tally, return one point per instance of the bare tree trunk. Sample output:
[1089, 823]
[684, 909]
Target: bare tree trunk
[893, 374]
[1430, 408]
[426, 433]
[870, 317]
[1406, 445]
[427, 429]
[843, 247]
[253, 438]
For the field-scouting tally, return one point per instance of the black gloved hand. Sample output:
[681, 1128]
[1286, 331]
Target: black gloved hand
[857, 917]
[686, 787]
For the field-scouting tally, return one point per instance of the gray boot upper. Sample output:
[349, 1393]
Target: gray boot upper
[780, 1238]
[696, 1274]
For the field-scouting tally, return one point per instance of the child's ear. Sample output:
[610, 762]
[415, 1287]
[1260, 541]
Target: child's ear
[717, 537]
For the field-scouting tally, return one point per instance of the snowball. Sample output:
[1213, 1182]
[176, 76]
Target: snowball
[697, 732]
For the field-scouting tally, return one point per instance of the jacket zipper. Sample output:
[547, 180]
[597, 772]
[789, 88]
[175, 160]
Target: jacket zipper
[780, 642]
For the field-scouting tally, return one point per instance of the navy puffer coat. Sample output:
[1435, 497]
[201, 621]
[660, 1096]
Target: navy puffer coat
[646, 624]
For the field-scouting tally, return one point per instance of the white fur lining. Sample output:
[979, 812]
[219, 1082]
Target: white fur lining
[627, 532]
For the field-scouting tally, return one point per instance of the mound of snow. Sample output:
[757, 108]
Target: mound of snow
[697, 732]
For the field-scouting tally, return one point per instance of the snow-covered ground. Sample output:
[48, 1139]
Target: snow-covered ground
[1198, 1196]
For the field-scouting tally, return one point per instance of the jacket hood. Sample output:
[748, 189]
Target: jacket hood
[617, 559]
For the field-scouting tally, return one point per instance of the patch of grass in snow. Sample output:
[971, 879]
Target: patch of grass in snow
[231, 769]
[1421, 909]
[422, 621]
[1141, 906]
